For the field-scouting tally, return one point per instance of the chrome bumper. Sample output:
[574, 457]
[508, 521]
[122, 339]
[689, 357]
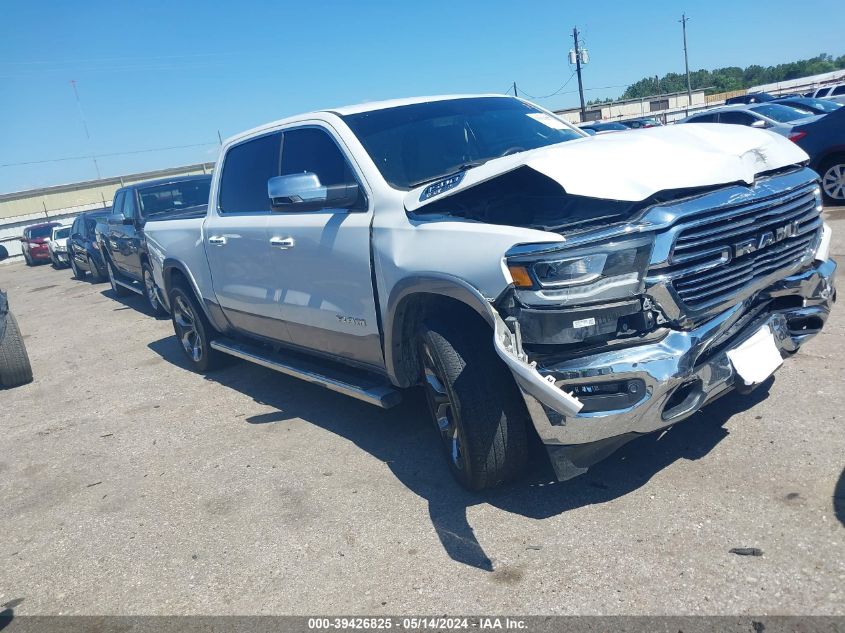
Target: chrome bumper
[695, 361]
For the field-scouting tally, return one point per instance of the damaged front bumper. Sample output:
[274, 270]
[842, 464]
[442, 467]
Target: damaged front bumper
[663, 381]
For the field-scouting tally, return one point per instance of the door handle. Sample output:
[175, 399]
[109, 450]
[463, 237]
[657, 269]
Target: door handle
[217, 240]
[282, 242]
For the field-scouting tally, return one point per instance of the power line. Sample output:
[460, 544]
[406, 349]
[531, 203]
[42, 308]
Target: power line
[553, 94]
[88, 157]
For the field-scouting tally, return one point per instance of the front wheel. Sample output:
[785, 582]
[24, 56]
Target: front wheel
[97, 275]
[77, 274]
[151, 291]
[116, 288]
[27, 259]
[14, 362]
[192, 330]
[475, 405]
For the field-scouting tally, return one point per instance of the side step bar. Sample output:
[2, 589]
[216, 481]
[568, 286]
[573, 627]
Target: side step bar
[129, 286]
[349, 382]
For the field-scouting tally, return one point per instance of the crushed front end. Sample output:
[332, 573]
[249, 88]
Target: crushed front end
[628, 329]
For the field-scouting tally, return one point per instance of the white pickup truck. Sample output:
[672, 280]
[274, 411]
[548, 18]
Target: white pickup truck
[534, 280]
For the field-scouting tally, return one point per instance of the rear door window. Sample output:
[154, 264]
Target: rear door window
[839, 90]
[246, 169]
[737, 118]
[704, 118]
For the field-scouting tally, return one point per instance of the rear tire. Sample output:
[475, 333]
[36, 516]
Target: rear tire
[193, 331]
[832, 172]
[475, 404]
[15, 368]
[151, 291]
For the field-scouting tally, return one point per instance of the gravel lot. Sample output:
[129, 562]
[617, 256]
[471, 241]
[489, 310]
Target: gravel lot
[130, 485]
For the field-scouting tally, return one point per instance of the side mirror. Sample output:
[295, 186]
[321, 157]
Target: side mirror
[304, 192]
[760, 123]
[4, 253]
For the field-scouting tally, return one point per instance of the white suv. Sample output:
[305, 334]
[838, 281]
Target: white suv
[58, 246]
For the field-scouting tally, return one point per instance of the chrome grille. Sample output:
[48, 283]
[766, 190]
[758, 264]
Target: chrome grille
[708, 265]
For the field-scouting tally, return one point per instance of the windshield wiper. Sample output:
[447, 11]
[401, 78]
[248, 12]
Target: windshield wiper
[454, 170]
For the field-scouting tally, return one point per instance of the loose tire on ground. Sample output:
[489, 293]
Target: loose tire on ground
[193, 331]
[478, 397]
[14, 362]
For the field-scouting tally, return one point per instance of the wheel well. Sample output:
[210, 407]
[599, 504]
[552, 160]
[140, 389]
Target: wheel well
[834, 155]
[410, 314]
[175, 277]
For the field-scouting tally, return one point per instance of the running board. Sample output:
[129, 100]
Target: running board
[349, 382]
[129, 286]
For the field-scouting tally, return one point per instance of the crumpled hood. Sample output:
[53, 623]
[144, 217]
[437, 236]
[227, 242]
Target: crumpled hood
[634, 165]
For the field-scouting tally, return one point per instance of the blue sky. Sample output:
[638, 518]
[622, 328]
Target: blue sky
[158, 74]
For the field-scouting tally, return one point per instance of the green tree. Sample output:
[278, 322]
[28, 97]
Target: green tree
[733, 77]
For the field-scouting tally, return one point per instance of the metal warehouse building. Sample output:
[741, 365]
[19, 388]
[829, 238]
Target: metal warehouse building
[64, 202]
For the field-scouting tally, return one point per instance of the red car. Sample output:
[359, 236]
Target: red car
[34, 242]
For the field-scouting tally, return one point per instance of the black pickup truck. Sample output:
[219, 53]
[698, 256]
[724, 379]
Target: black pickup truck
[121, 234]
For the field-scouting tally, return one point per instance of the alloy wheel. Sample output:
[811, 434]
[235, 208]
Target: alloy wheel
[833, 181]
[150, 290]
[442, 410]
[186, 328]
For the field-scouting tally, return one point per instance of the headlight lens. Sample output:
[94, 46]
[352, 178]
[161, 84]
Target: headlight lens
[606, 271]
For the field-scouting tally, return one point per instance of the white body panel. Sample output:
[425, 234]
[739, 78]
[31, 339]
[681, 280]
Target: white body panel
[331, 274]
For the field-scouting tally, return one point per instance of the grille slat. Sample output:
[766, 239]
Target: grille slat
[708, 236]
[750, 226]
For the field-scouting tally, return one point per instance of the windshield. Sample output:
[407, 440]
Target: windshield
[173, 196]
[780, 113]
[417, 143]
[39, 231]
[61, 233]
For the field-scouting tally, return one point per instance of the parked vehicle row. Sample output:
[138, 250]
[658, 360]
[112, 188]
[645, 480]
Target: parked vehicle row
[474, 247]
[120, 235]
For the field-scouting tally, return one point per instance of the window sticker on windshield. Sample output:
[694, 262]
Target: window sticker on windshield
[548, 120]
[441, 186]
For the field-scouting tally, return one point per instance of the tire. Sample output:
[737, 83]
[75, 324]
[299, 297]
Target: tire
[77, 274]
[14, 362]
[27, 259]
[97, 275]
[832, 172]
[474, 403]
[116, 288]
[150, 291]
[54, 262]
[193, 331]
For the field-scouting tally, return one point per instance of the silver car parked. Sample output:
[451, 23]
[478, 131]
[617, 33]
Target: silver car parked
[771, 116]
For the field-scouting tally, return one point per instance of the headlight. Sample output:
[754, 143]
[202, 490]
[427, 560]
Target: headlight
[606, 271]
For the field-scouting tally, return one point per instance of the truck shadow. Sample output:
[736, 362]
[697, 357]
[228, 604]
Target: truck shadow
[403, 439]
[132, 300]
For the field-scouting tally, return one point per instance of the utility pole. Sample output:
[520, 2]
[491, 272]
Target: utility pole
[578, 70]
[684, 19]
[515, 93]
